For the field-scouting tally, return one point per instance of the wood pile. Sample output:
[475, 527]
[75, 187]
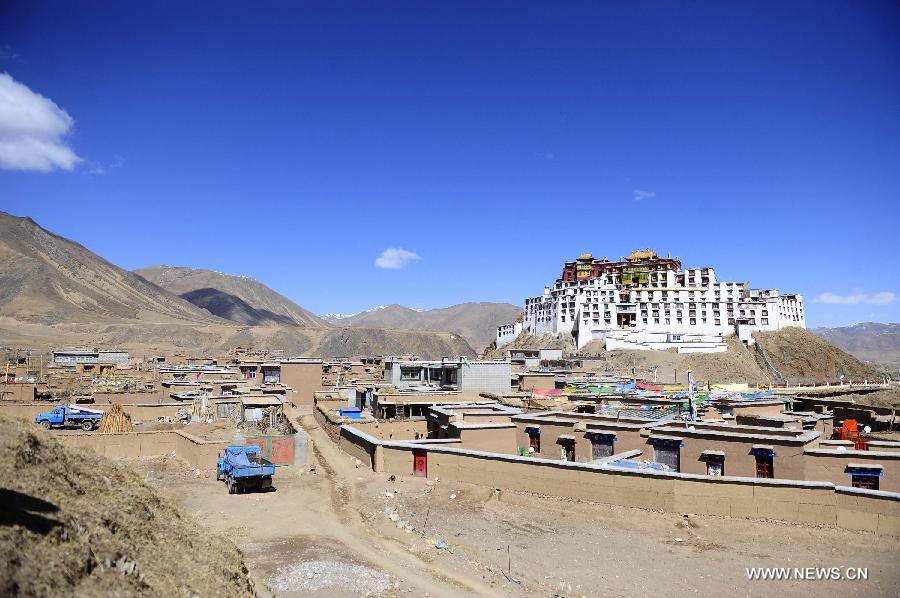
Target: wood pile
[115, 420]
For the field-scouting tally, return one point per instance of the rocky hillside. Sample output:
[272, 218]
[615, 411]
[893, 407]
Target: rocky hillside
[74, 523]
[235, 298]
[477, 322]
[872, 342]
[790, 355]
[48, 279]
[380, 341]
[798, 354]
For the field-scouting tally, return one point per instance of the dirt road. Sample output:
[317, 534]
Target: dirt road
[348, 531]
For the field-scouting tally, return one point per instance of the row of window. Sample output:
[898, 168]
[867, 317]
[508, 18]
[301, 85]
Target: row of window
[602, 446]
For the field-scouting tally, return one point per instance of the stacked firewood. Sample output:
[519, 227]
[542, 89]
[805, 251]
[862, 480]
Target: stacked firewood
[115, 420]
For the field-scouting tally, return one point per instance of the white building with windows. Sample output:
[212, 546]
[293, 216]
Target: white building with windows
[645, 301]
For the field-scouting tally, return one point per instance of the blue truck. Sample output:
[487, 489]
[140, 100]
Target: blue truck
[243, 468]
[65, 417]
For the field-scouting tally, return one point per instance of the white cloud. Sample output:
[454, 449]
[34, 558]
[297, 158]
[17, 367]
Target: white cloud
[642, 194]
[858, 298]
[395, 258]
[32, 130]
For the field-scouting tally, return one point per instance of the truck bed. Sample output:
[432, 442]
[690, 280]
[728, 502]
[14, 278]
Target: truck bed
[252, 471]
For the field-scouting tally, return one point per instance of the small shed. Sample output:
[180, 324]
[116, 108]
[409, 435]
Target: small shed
[252, 407]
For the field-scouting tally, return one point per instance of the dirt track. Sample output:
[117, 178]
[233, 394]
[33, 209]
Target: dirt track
[342, 517]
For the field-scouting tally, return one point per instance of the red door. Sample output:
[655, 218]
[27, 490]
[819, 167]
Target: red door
[420, 463]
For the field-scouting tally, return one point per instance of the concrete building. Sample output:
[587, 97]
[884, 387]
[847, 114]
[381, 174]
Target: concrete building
[532, 358]
[452, 374]
[71, 357]
[645, 301]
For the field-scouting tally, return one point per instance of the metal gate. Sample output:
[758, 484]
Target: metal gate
[420, 463]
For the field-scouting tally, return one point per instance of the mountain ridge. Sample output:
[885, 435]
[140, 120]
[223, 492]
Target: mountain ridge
[240, 299]
[50, 279]
[475, 321]
[874, 342]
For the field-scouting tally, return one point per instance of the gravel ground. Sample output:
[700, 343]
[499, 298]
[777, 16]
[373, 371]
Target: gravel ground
[334, 576]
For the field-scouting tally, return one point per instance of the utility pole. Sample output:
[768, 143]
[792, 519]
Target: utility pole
[691, 404]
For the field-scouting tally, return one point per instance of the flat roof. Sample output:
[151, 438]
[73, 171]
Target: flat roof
[261, 401]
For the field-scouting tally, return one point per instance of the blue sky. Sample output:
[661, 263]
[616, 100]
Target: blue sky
[295, 142]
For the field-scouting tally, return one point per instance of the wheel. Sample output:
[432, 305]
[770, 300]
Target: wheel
[45, 424]
[87, 426]
[231, 487]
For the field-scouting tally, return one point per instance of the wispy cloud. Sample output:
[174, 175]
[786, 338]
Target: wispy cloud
[8, 55]
[394, 258]
[97, 168]
[32, 130]
[858, 298]
[642, 194]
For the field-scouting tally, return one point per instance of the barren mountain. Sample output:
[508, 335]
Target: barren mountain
[49, 279]
[477, 322]
[54, 292]
[870, 341]
[236, 298]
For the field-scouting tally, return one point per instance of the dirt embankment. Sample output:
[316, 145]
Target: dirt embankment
[790, 355]
[75, 523]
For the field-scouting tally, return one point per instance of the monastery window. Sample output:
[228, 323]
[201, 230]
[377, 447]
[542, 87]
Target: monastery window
[765, 321]
[866, 482]
[715, 463]
[865, 477]
[410, 373]
[765, 312]
[534, 440]
[668, 453]
[601, 445]
[718, 322]
[668, 321]
[567, 445]
[656, 320]
[765, 462]
[730, 321]
[693, 322]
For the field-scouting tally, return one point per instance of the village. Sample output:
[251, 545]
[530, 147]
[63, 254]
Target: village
[378, 437]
